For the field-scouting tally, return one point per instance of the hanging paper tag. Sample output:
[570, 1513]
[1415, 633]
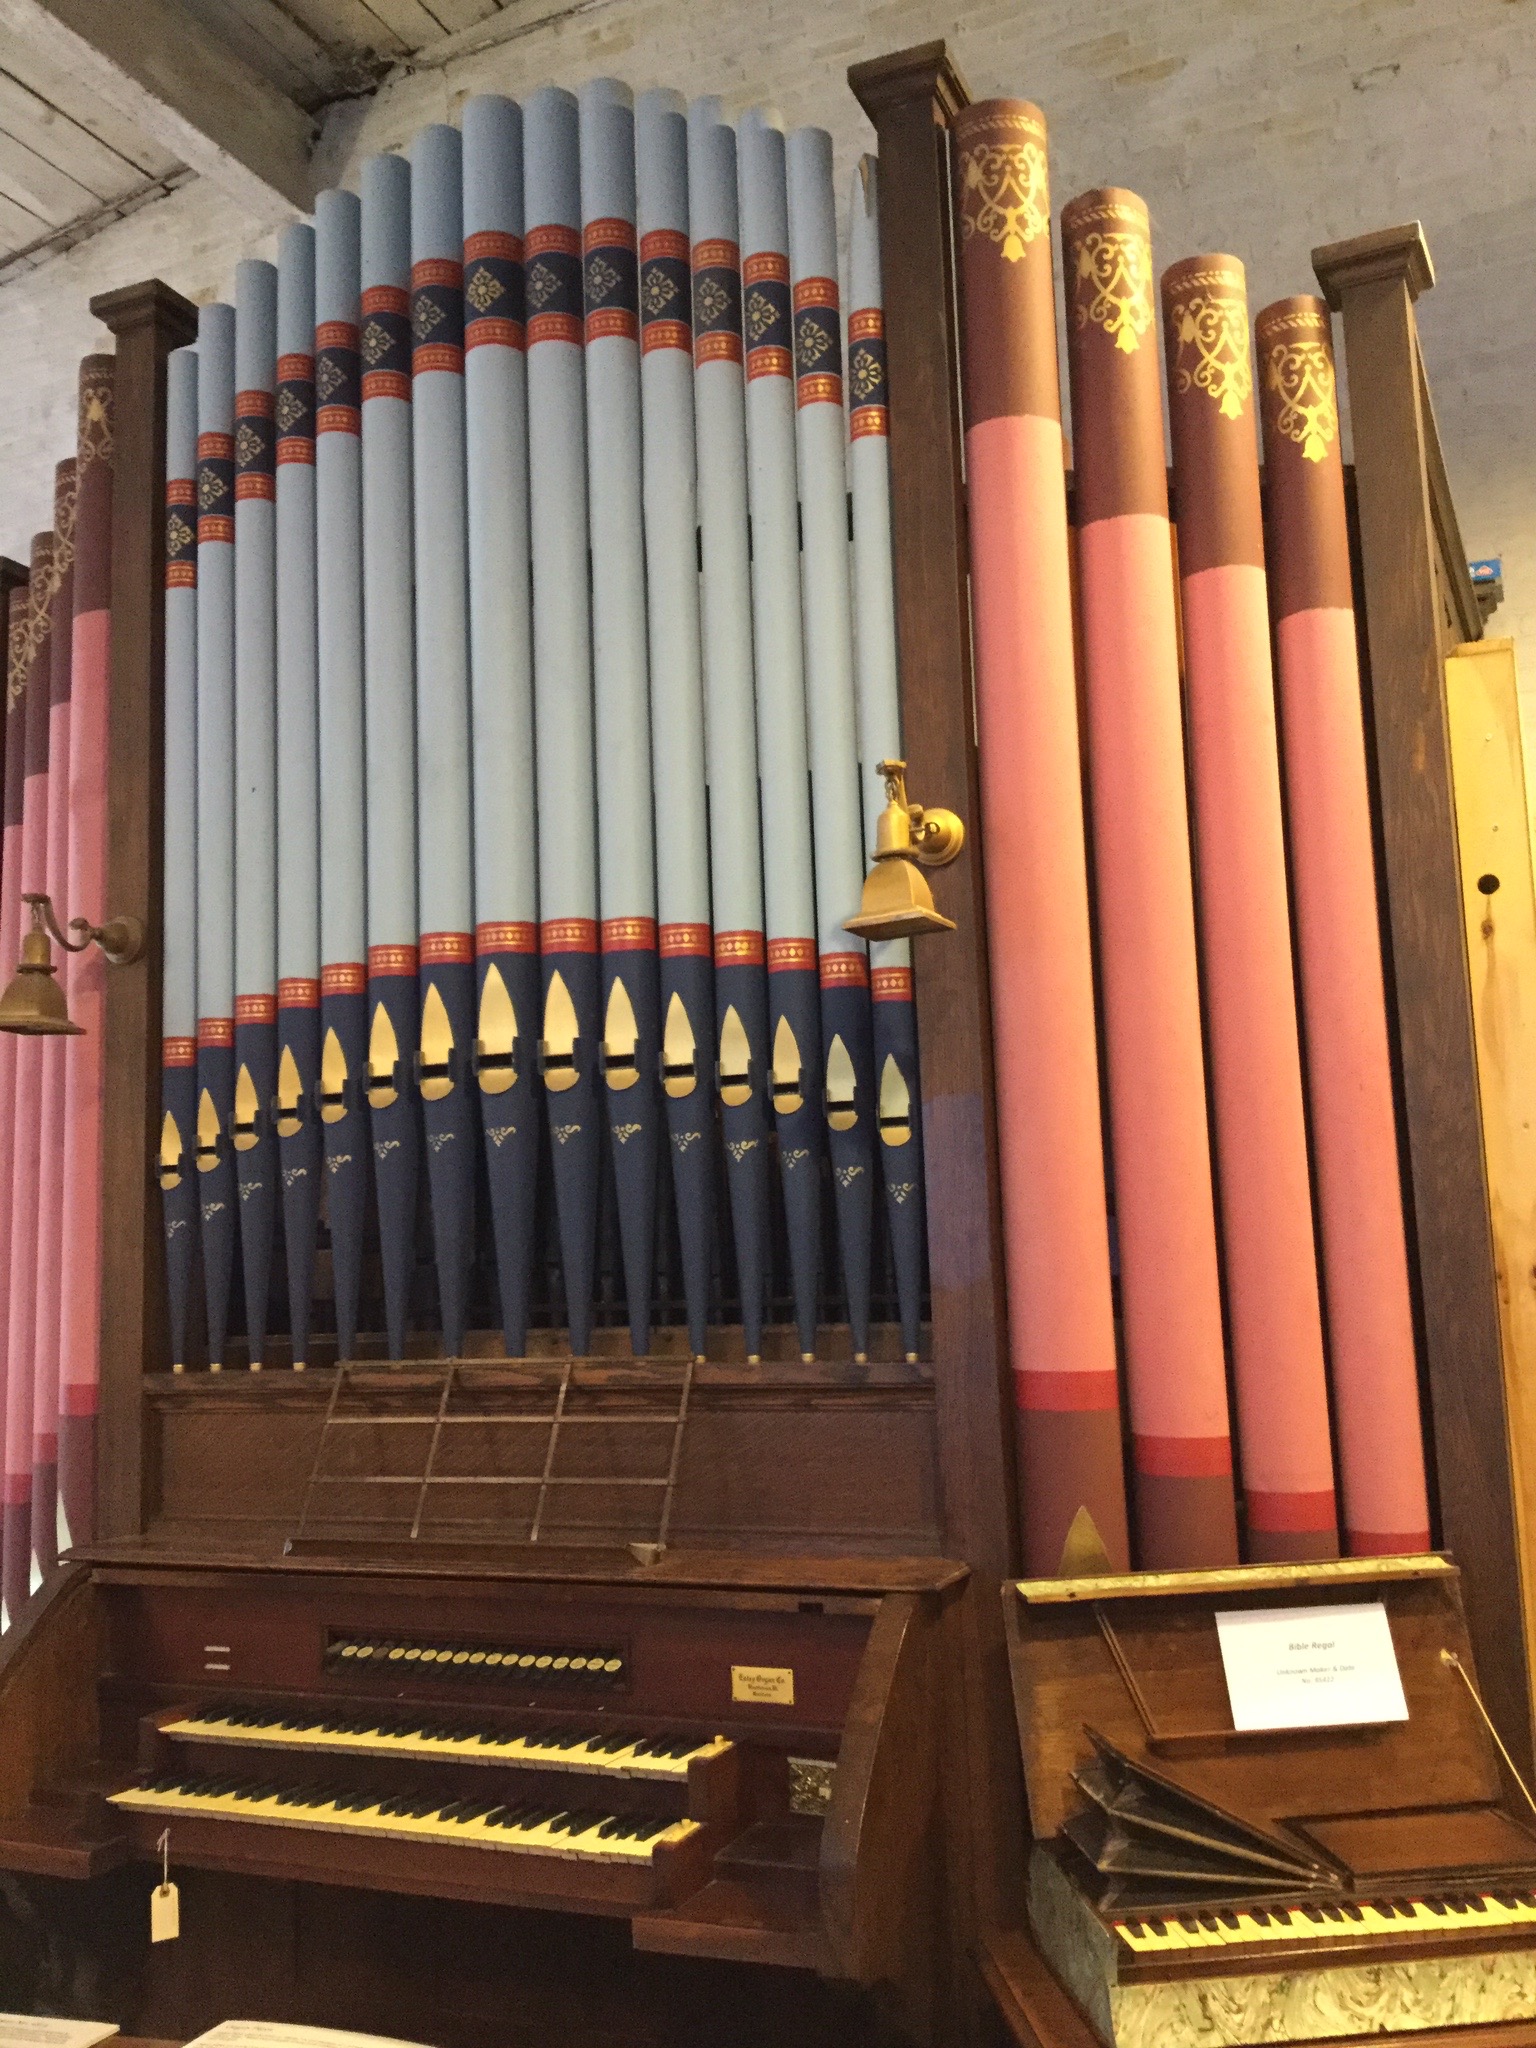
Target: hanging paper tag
[164, 1913]
[165, 1899]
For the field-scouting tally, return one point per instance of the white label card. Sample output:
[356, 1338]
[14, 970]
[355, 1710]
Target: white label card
[22, 2030]
[1311, 1667]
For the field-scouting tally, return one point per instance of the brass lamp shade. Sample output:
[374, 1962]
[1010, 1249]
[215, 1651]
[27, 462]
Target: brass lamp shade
[34, 1004]
[897, 903]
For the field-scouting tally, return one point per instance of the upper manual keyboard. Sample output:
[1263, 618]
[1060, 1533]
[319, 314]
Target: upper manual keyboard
[1367, 1919]
[606, 1751]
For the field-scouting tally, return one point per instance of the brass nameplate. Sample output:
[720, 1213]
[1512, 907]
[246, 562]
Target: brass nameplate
[763, 1685]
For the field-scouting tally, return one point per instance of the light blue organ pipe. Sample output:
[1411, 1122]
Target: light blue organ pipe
[562, 670]
[178, 995]
[677, 683]
[445, 843]
[216, 811]
[343, 823]
[501, 679]
[256, 1169]
[390, 724]
[631, 995]
[736, 866]
[794, 1011]
[300, 1158]
[893, 1016]
[820, 435]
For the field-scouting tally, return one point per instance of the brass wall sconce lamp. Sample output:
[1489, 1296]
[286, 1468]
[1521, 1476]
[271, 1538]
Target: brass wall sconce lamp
[898, 903]
[34, 1004]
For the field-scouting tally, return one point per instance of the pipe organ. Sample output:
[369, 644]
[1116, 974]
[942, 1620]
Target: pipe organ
[464, 711]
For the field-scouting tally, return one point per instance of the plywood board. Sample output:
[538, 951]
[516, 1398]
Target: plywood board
[1499, 900]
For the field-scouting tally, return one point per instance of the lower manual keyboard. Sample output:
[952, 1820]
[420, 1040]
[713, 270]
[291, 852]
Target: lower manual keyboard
[581, 1832]
[1367, 1919]
[605, 1751]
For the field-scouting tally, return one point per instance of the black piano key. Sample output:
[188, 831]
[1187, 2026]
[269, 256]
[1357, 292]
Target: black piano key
[1334, 1913]
[1228, 1920]
[1436, 1906]
[1351, 1912]
[510, 1817]
[476, 1809]
[1314, 1914]
[1261, 1915]
[649, 1830]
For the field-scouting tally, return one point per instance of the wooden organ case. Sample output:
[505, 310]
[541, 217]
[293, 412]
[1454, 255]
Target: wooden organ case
[782, 1750]
[736, 1750]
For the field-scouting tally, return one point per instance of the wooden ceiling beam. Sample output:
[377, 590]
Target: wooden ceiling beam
[186, 88]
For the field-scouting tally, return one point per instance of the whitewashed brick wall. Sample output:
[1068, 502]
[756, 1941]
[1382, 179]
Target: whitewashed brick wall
[1249, 125]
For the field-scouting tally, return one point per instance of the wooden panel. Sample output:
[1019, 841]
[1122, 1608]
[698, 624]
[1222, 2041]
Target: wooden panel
[18, 227]
[345, 26]
[1499, 906]
[63, 142]
[794, 1469]
[910, 98]
[47, 1702]
[40, 186]
[407, 20]
[39, 73]
[1402, 542]
[149, 320]
[275, 45]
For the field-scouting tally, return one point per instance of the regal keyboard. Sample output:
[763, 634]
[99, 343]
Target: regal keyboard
[1358, 1919]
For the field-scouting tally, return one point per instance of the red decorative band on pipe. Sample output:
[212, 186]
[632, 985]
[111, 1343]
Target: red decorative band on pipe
[891, 985]
[178, 1052]
[869, 419]
[738, 949]
[784, 954]
[1291, 1513]
[568, 935]
[387, 384]
[335, 334]
[717, 255]
[215, 447]
[612, 323]
[1067, 1393]
[1183, 1457]
[493, 243]
[256, 1009]
[506, 938]
[295, 369]
[180, 490]
[552, 239]
[666, 334]
[437, 270]
[215, 1031]
[483, 332]
[254, 404]
[387, 298]
[449, 947]
[629, 934]
[338, 419]
[1387, 1542]
[611, 232]
[437, 355]
[391, 960]
[78, 1400]
[257, 484]
[344, 978]
[844, 970]
[721, 347]
[554, 327]
[298, 992]
[692, 940]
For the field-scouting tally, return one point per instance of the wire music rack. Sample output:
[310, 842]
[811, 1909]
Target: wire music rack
[441, 1398]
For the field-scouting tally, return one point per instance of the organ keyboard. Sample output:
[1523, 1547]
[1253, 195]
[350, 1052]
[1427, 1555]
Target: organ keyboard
[737, 1755]
[1193, 1880]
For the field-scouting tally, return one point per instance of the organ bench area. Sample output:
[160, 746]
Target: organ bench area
[740, 1766]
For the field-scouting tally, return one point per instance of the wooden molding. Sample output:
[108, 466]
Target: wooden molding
[926, 71]
[1383, 256]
